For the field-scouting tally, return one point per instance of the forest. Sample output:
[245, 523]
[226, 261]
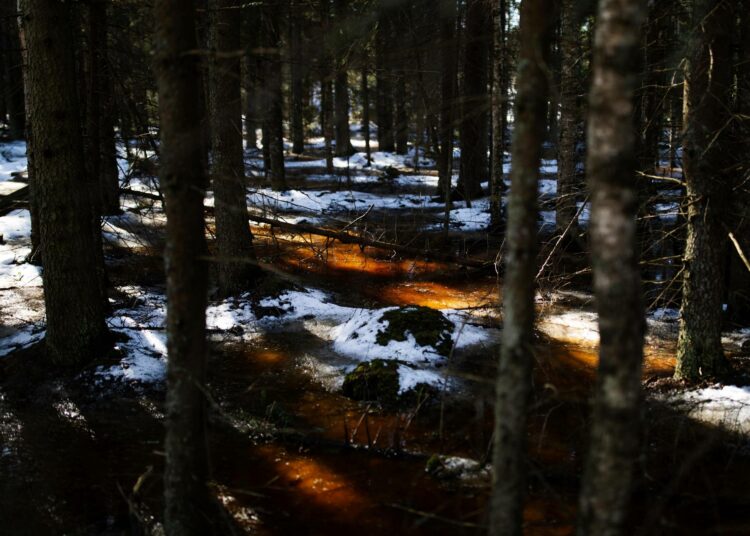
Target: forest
[287, 267]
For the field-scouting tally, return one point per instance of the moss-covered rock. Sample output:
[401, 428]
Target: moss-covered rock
[428, 326]
[374, 380]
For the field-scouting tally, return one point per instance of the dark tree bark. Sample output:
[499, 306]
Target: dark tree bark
[75, 311]
[513, 388]
[252, 30]
[474, 103]
[365, 89]
[183, 180]
[699, 350]
[296, 62]
[565, 202]
[447, 95]
[101, 151]
[343, 140]
[738, 295]
[273, 121]
[383, 79]
[402, 116]
[326, 86]
[499, 112]
[14, 90]
[611, 163]
[234, 240]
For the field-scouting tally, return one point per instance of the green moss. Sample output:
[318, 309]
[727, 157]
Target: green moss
[428, 326]
[375, 380]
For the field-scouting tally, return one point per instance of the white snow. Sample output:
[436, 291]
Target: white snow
[12, 159]
[727, 406]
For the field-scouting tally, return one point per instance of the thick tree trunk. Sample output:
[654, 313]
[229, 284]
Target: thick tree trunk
[74, 308]
[699, 351]
[611, 164]
[565, 202]
[499, 112]
[513, 388]
[183, 180]
[296, 62]
[234, 240]
[738, 295]
[474, 103]
[102, 154]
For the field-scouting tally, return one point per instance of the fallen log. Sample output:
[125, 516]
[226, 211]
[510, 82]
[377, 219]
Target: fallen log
[346, 237]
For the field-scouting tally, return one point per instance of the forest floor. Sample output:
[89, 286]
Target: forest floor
[290, 454]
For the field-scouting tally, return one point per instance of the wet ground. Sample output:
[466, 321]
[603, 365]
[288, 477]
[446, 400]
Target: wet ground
[290, 455]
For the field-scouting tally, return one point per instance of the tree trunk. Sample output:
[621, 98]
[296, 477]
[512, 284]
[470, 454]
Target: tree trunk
[252, 21]
[14, 90]
[326, 87]
[474, 103]
[611, 163]
[273, 125]
[383, 80]
[341, 105]
[296, 62]
[738, 295]
[234, 240]
[447, 95]
[565, 202]
[75, 311]
[366, 112]
[513, 388]
[402, 116]
[183, 179]
[102, 154]
[699, 351]
[499, 115]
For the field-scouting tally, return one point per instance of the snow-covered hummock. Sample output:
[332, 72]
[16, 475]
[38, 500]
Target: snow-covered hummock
[144, 323]
[20, 284]
[353, 332]
[727, 406]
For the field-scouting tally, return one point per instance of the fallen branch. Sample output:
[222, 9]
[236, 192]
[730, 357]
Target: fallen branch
[346, 237]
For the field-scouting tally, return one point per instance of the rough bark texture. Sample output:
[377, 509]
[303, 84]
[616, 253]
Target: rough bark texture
[234, 240]
[499, 111]
[474, 102]
[611, 163]
[565, 202]
[699, 351]
[14, 90]
[74, 308]
[183, 181]
[101, 151]
[513, 386]
[738, 299]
